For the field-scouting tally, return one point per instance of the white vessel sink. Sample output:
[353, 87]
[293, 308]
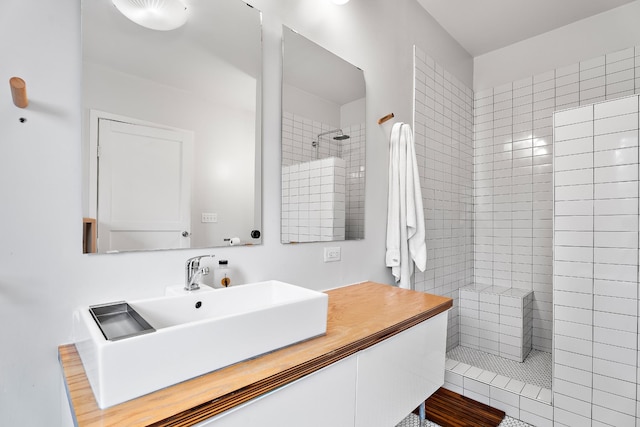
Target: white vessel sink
[196, 334]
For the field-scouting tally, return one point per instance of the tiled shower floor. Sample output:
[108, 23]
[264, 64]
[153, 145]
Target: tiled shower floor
[536, 369]
[414, 421]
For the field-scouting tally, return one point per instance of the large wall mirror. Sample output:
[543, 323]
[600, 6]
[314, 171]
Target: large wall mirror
[172, 128]
[323, 144]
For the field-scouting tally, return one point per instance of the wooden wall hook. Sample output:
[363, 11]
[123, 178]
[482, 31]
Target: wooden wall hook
[19, 92]
[389, 116]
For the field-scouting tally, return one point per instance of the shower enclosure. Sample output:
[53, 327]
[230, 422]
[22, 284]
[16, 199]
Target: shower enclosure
[487, 244]
[489, 172]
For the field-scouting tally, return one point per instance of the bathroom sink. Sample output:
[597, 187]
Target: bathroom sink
[195, 334]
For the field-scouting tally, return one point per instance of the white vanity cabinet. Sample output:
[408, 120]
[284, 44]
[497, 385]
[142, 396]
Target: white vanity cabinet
[322, 399]
[397, 374]
[376, 387]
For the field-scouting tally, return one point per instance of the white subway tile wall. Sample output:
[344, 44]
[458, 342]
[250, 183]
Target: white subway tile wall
[513, 193]
[298, 135]
[596, 364]
[443, 137]
[353, 152]
[513, 148]
[313, 201]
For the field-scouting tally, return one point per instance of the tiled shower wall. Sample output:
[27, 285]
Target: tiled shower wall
[313, 201]
[596, 357]
[513, 147]
[298, 134]
[444, 148]
[353, 152]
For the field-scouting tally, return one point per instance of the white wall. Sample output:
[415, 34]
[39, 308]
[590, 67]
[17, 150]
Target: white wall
[306, 104]
[600, 34]
[353, 112]
[43, 275]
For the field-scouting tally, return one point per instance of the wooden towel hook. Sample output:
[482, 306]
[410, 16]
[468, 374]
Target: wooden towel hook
[19, 92]
[389, 116]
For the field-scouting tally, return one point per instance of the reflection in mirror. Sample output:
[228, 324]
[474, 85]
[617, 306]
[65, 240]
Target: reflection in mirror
[172, 128]
[323, 144]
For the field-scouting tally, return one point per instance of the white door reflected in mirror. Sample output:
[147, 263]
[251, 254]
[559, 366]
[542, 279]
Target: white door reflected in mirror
[144, 190]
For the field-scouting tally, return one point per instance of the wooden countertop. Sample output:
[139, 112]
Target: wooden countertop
[359, 316]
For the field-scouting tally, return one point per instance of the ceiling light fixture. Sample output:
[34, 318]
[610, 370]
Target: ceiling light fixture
[340, 2]
[161, 15]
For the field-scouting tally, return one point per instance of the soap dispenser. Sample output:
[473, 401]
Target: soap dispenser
[221, 275]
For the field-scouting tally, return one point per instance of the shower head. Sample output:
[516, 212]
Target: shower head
[339, 137]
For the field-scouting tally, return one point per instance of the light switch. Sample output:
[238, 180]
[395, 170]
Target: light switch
[332, 254]
[209, 217]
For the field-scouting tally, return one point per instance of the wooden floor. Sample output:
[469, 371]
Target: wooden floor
[450, 409]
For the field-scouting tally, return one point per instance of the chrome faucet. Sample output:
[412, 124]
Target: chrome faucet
[193, 271]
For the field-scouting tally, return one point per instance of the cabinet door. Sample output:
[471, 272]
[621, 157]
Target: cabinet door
[396, 375]
[324, 398]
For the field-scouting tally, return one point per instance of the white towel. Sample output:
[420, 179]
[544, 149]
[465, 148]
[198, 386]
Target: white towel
[405, 217]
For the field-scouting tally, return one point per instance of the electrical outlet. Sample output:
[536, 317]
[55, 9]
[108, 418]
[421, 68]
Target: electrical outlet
[209, 217]
[332, 254]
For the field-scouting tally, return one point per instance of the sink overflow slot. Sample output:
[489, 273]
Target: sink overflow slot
[199, 304]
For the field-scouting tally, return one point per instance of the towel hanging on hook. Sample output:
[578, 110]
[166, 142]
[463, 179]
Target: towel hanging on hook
[406, 234]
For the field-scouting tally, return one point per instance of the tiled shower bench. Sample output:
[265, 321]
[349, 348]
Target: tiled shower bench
[497, 320]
